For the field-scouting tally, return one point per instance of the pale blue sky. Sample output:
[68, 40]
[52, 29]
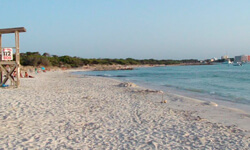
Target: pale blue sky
[160, 29]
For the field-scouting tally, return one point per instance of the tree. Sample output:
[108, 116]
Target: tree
[46, 54]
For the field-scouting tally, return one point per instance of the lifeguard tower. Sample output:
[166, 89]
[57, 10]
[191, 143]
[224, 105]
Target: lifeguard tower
[9, 66]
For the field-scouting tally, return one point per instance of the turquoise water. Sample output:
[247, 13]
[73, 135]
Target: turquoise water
[222, 82]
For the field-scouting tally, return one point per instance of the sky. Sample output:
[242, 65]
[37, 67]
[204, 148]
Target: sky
[140, 29]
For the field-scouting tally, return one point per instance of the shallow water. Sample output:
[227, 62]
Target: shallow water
[221, 82]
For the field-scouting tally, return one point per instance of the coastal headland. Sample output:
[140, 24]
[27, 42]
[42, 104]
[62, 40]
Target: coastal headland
[57, 109]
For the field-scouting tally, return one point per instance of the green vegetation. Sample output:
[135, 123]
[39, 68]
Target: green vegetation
[36, 59]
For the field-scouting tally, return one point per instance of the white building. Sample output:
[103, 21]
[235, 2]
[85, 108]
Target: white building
[224, 57]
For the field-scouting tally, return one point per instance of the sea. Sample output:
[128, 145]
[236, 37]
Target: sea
[220, 82]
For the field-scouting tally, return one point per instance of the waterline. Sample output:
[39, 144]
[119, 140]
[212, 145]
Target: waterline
[222, 82]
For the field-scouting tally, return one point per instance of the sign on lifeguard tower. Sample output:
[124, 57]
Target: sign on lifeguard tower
[7, 54]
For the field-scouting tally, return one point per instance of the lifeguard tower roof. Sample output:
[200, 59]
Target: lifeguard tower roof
[12, 30]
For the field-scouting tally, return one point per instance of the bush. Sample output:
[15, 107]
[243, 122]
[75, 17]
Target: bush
[35, 59]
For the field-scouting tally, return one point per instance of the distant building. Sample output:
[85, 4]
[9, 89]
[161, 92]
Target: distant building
[242, 58]
[237, 58]
[224, 57]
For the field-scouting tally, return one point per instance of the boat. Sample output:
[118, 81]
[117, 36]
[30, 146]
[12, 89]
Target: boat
[227, 62]
[237, 64]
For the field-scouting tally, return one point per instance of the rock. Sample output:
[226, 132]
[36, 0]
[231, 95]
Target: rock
[198, 118]
[148, 91]
[165, 101]
[127, 84]
[87, 97]
[210, 103]
[153, 91]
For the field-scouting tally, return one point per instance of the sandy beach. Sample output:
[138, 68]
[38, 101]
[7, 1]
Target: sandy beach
[59, 110]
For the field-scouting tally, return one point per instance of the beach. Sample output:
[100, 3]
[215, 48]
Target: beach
[60, 110]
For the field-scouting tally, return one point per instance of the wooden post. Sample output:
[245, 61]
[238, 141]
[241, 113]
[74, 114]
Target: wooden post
[1, 79]
[17, 58]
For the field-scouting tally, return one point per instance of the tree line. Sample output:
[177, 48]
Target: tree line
[36, 59]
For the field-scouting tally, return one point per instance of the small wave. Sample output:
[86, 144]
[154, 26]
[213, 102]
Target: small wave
[119, 76]
[230, 97]
[212, 92]
[183, 78]
[172, 86]
[195, 90]
[108, 75]
[215, 76]
[168, 85]
[186, 89]
[101, 75]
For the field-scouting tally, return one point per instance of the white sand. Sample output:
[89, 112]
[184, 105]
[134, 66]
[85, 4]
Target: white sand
[60, 110]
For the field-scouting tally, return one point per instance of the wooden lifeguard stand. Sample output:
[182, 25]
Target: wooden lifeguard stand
[8, 67]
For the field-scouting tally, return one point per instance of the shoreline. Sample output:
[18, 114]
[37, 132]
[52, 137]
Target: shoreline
[62, 110]
[220, 105]
[202, 96]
